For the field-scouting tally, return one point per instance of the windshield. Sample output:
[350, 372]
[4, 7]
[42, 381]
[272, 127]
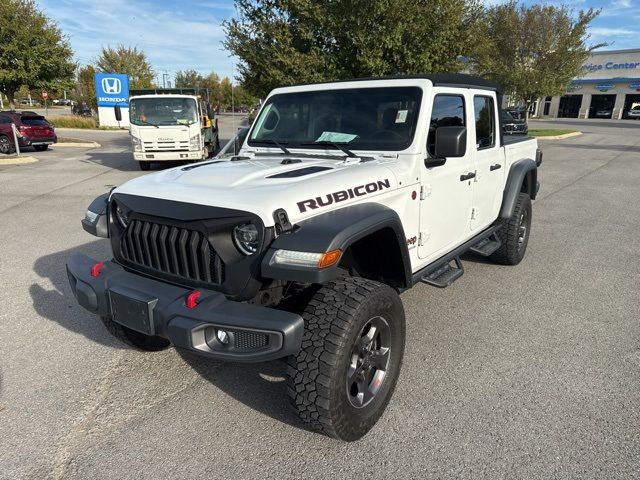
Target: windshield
[363, 118]
[163, 111]
[506, 116]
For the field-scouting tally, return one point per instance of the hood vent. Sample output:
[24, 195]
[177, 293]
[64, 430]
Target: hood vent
[289, 161]
[301, 172]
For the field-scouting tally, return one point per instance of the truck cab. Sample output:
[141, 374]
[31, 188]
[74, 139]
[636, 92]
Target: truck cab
[171, 127]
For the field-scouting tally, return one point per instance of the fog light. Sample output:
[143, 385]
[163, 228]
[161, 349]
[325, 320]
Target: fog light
[222, 336]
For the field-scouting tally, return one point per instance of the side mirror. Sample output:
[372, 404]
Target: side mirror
[450, 142]
[118, 111]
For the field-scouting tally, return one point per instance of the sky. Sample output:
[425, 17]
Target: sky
[188, 34]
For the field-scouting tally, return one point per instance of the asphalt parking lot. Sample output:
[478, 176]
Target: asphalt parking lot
[513, 372]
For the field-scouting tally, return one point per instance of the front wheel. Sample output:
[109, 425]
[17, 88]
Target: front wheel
[144, 166]
[514, 233]
[345, 373]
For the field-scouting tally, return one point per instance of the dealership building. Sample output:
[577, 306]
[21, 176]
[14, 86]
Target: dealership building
[608, 88]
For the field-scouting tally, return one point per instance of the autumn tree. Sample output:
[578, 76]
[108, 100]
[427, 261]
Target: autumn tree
[534, 51]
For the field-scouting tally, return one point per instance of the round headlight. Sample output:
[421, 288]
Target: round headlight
[246, 238]
[122, 217]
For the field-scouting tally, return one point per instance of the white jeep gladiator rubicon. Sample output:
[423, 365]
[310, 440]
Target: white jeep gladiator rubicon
[341, 196]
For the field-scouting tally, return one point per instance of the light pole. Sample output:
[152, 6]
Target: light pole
[164, 80]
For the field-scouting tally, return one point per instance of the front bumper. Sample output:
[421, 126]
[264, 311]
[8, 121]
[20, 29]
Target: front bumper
[168, 156]
[152, 307]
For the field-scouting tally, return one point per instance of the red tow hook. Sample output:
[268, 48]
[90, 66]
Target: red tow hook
[95, 269]
[192, 299]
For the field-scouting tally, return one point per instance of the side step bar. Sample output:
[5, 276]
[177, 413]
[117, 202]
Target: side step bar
[487, 245]
[442, 274]
[445, 275]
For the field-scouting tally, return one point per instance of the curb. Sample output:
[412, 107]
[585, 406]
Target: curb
[77, 144]
[17, 160]
[560, 137]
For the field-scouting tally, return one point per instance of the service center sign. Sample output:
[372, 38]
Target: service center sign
[112, 89]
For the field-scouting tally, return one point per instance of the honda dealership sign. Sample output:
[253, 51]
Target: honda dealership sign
[112, 89]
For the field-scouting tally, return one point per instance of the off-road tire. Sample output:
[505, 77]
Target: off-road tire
[40, 148]
[513, 247]
[145, 166]
[6, 146]
[317, 375]
[133, 338]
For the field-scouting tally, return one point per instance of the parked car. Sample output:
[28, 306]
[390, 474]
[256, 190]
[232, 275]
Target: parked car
[340, 197]
[33, 131]
[517, 113]
[81, 109]
[634, 113]
[512, 126]
[603, 113]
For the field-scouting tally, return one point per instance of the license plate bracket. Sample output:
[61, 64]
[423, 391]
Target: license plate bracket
[133, 310]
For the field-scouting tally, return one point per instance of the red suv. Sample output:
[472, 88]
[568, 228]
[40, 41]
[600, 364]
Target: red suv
[33, 131]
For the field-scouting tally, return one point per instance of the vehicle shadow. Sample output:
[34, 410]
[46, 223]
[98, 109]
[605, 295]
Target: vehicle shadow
[260, 386]
[58, 303]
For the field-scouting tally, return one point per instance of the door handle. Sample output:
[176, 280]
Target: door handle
[495, 167]
[468, 176]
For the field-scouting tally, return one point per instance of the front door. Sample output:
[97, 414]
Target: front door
[446, 198]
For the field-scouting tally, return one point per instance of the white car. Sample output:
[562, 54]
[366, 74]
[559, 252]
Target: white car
[634, 113]
[340, 196]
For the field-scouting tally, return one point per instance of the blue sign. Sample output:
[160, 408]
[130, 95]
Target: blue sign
[112, 89]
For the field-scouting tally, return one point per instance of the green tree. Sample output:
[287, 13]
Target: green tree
[534, 51]
[127, 60]
[85, 90]
[281, 43]
[33, 50]
[189, 78]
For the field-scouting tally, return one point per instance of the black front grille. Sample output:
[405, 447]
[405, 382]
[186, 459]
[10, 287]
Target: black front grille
[177, 251]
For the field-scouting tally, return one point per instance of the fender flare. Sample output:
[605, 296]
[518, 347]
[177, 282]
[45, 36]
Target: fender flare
[338, 229]
[525, 169]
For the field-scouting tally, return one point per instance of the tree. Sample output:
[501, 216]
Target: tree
[281, 43]
[127, 60]
[33, 50]
[86, 87]
[534, 51]
[189, 78]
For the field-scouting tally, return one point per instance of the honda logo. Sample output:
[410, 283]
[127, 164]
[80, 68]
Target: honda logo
[111, 86]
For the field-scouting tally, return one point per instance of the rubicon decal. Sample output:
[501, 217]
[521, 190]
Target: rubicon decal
[342, 195]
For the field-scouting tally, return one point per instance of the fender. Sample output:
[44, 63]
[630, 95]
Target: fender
[332, 230]
[97, 226]
[519, 171]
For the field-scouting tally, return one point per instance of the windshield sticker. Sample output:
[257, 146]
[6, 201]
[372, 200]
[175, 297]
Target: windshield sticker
[401, 116]
[336, 137]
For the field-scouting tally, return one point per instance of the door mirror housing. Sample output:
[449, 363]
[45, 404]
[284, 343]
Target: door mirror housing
[450, 142]
[118, 112]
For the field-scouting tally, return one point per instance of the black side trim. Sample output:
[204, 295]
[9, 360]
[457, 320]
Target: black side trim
[520, 171]
[332, 230]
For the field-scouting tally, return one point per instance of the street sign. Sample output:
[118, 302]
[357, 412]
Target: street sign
[112, 89]
[44, 94]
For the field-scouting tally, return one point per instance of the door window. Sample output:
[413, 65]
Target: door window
[485, 121]
[5, 119]
[448, 111]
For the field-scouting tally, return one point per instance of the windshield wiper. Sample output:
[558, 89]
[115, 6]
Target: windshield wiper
[277, 143]
[147, 123]
[336, 145]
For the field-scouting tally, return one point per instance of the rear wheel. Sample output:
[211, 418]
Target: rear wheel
[6, 146]
[41, 148]
[514, 234]
[345, 373]
[145, 165]
[133, 338]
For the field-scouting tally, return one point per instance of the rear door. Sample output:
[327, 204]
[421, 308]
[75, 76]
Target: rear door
[489, 162]
[446, 199]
